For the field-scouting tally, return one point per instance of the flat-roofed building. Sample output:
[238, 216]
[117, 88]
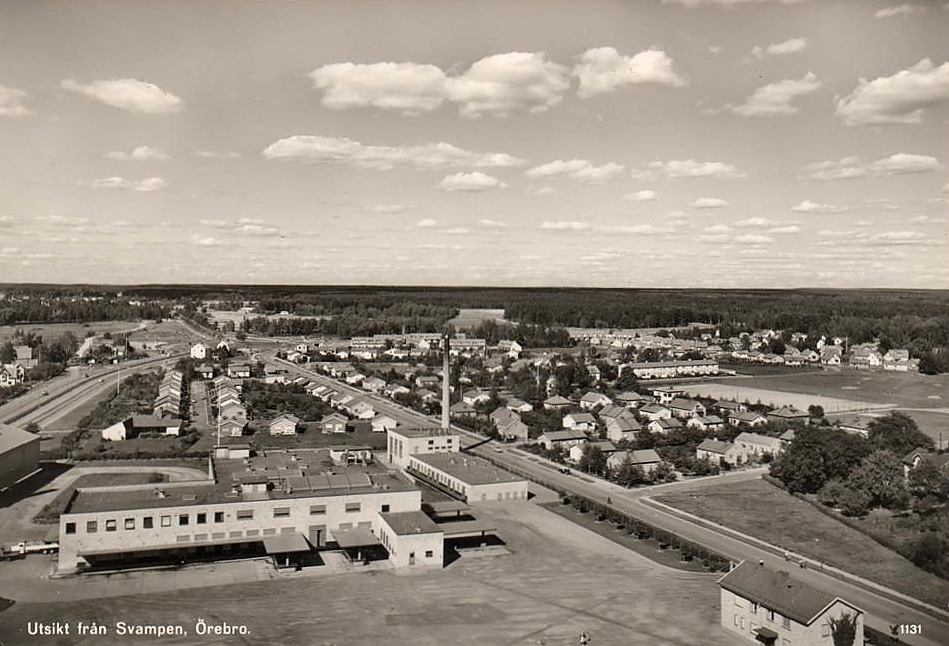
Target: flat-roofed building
[771, 607]
[19, 454]
[467, 477]
[405, 442]
[412, 539]
[276, 493]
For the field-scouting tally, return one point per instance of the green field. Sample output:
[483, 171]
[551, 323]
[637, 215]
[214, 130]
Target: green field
[901, 389]
[49, 515]
[53, 330]
[768, 513]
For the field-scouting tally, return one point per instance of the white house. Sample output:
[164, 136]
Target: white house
[754, 445]
[284, 425]
[593, 399]
[646, 459]
[199, 351]
[715, 451]
[382, 423]
[652, 412]
[749, 418]
[579, 421]
[765, 606]
[565, 438]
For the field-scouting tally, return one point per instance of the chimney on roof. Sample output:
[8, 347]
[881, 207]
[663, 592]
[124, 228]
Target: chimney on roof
[446, 382]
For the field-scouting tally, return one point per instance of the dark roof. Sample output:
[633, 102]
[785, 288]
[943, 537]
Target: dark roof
[776, 590]
[410, 522]
[715, 446]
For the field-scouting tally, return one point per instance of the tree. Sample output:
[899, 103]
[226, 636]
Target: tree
[843, 629]
[7, 353]
[928, 551]
[898, 432]
[928, 485]
[816, 411]
[817, 455]
[854, 502]
[831, 493]
[880, 475]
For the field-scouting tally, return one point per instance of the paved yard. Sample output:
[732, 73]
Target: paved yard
[558, 580]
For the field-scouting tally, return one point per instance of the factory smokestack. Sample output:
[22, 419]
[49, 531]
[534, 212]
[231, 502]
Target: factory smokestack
[446, 383]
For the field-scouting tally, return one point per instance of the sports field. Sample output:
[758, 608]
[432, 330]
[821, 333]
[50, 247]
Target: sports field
[905, 390]
[50, 331]
[737, 390]
[559, 580]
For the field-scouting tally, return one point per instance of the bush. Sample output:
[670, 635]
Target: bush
[854, 502]
[928, 552]
[832, 492]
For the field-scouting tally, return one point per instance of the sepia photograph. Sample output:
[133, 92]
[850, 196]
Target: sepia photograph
[474, 322]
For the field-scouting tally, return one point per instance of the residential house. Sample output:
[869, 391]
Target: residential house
[685, 408]
[914, 458]
[556, 403]
[232, 427]
[238, 371]
[831, 355]
[425, 395]
[647, 460]
[631, 399]
[461, 409]
[360, 409]
[623, 428]
[579, 421]
[564, 439]
[666, 394]
[652, 412]
[518, 406]
[717, 452]
[747, 418]
[898, 360]
[474, 396]
[854, 424]
[353, 377]
[789, 414]
[664, 426]
[285, 424]
[728, 407]
[765, 606]
[333, 423]
[594, 372]
[11, 374]
[593, 399]
[576, 452]
[706, 422]
[754, 446]
[398, 389]
[205, 371]
[373, 384]
[199, 351]
[786, 438]
[512, 349]
[382, 423]
[428, 381]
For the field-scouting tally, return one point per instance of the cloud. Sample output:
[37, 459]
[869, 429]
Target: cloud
[456, 231]
[564, 226]
[753, 238]
[715, 238]
[765, 223]
[339, 150]
[243, 226]
[603, 69]
[146, 185]
[708, 203]
[925, 219]
[543, 190]
[142, 153]
[391, 208]
[901, 10]
[808, 206]
[896, 99]
[791, 46]
[11, 102]
[128, 94]
[718, 228]
[790, 228]
[580, 170]
[492, 224]
[775, 98]
[726, 3]
[715, 49]
[62, 220]
[851, 168]
[681, 169]
[213, 154]
[640, 196]
[206, 241]
[472, 182]
[427, 223]
[497, 85]
[646, 229]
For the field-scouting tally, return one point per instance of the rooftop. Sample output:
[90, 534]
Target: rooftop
[12, 437]
[434, 431]
[467, 468]
[405, 523]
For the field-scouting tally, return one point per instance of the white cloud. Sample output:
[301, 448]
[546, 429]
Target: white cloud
[604, 69]
[11, 102]
[726, 3]
[718, 228]
[715, 49]
[542, 190]
[128, 94]
[646, 229]
[708, 203]
[213, 154]
[492, 224]
[901, 10]
[564, 226]
[497, 85]
[900, 98]
[580, 170]
[790, 46]
[640, 196]
[716, 238]
[142, 153]
[476, 181]
[852, 168]
[391, 208]
[775, 98]
[790, 228]
[427, 223]
[456, 231]
[62, 220]
[808, 206]
[765, 223]
[339, 150]
[206, 241]
[150, 184]
[680, 169]
[925, 219]
[753, 238]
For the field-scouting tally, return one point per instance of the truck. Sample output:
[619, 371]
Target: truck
[34, 547]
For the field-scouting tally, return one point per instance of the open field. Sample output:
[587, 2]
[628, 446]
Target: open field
[472, 318]
[905, 390]
[764, 511]
[314, 438]
[53, 330]
[738, 391]
[49, 514]
[560, 579]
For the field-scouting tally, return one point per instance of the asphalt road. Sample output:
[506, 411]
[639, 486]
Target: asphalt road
[883, 611]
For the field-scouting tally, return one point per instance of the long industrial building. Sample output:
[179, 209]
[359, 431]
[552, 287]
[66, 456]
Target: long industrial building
[19, 454]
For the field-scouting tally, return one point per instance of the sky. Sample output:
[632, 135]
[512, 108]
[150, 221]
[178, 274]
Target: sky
[647, 143]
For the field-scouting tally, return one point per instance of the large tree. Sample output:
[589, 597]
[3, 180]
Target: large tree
[898, 432]
[817, 455]
[880, 475]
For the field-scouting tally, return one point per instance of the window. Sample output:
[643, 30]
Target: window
[742, 623]
[736, 619]
[353, 507]
[825, 630]
[754, 608]
[110, 525]
[786, 623]
[166, 521]
[70, 528]
[385, 508]
[770, 615]
[129, 523]
[281, 512]
[317, 510]
[219, 517]
[429, 554]
[201, 519]
[183, 519]
[92, 527]
[739, 601]
[245, 514]
[148, 522]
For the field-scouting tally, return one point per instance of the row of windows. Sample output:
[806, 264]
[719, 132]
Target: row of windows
[148, 522]
[768, 613]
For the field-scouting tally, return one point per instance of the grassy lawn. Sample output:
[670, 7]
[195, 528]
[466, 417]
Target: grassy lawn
[902, 389]
[49, 515]
[766, 512]
[50, 331]
[312, 438]
[766, 370]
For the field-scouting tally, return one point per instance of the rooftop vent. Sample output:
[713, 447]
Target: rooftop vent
[161, 493]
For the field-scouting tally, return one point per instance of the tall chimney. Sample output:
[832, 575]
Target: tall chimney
[446, 383]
